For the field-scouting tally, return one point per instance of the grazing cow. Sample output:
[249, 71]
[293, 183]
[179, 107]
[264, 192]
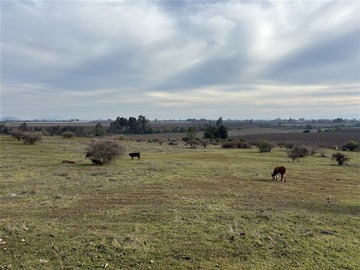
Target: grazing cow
[132, 155]
[279, 170]
[97, 161]
[69, 161]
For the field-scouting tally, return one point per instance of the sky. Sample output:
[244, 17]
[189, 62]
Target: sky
[178, 59]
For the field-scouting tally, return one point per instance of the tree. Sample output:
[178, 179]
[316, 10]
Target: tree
[219, 122]
[190, 137]
[222, 132]
[211, 133]
[143, 124]
[340, 158]
[99, 130]
[104, 151]
[133, 127]
[216, 132]
[23, 127]
[4, 130]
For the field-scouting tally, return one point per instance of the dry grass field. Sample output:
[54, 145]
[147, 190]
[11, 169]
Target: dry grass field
[175, 208]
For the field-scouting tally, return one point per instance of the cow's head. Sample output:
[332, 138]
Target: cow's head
[274, 175]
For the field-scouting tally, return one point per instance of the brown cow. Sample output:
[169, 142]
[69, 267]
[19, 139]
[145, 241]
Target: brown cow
[279, 170]
[132, 155]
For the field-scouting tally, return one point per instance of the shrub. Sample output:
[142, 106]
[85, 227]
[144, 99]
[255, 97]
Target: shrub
[204, 143]
[351, 145]
[193, 143]
[17, 134]
[289, 145]
[31, 138]
[264, 146]
[298, 152]
[323, 153]
[340, 158]
[68, 135]
[104, 151]
[4, 130]
[229, 145]
[236, 144]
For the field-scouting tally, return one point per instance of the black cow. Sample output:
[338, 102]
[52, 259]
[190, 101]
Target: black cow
[132, 155]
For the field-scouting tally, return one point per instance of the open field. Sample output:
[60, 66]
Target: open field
[176, 208]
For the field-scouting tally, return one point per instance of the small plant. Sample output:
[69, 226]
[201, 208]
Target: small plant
[104, 151]
[264, 146]
[298, 152]
[340, 158]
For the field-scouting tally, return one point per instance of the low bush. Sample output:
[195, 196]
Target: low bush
[264, 146]
[68, 135]
[104, 151]
[297, 152]
[17, 134]
[31, 138]
[236, 145]
[351, 146]
[340, 158]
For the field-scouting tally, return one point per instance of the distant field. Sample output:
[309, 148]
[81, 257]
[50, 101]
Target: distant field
[176, 208]
[326, 140]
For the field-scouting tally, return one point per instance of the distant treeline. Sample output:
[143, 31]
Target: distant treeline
[142, 125]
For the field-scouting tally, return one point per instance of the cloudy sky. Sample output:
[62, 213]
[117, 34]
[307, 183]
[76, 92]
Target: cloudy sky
[176, 59]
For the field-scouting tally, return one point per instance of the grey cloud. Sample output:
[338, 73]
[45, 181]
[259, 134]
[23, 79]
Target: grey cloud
[124, 50]
[329, 61]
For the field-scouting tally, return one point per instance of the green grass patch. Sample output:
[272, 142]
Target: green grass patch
[175, 208]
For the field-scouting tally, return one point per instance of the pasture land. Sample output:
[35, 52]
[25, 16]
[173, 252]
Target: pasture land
[175, 208]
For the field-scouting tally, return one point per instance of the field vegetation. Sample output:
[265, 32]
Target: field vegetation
[178, 207]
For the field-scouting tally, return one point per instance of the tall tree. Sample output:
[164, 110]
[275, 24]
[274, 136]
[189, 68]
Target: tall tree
[99, 130]
[219, 122]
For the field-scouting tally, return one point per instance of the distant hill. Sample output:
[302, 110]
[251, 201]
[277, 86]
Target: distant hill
[9, 118]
